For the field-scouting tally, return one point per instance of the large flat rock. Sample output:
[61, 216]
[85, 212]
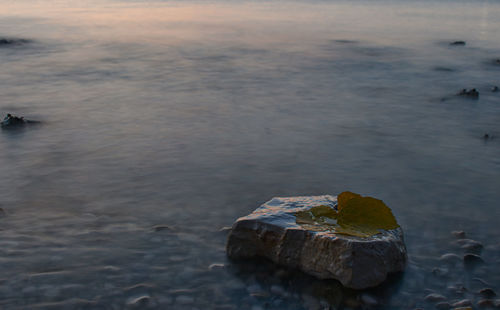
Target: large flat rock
[357, 262]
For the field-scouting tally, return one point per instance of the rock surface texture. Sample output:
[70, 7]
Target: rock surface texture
[272, 231]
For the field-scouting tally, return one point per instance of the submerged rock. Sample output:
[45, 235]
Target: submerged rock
[12, 121]
[473, 93]
[12, 41]
[458, 43]
[303, 233]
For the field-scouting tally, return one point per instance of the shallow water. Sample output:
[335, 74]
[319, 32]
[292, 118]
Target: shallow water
[191, 114]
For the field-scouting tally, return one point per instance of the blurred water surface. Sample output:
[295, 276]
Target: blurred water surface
[189, 114]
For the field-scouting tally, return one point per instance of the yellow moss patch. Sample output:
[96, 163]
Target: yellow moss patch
[357, 216]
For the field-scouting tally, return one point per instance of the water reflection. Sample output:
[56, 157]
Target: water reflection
[189, 115]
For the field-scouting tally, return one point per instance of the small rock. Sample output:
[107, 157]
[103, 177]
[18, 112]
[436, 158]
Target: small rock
[458, 43]
[225, 229]
[487, 293]
[473, 93]
[369, 300]
[158, 228]
[184, 300]
[459, 234]
[216, 266]
[495, 89]
[472, 246]
[139, 301]
[486, 136]
[472, 259]
[462, 303]
[443, 306]
[439, 272]
[483, 303]
[434, 297]
[450, 258]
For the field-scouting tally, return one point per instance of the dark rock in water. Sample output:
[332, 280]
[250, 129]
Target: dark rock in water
[485, 303]
[486, 136]
[487, 292]
[458, 43]
[473, 93]
[444, 69]
[434, 297]
[459, 234]
[472, 259]
[462, 303]
[4, 42]
[443, 306]
[450, 258]
[12, 121]
[473, 247]
[495, 89]
[159, 228]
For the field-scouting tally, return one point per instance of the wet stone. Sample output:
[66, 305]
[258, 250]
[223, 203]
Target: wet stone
[472, 259]
[434, 297]
[471, 246]
[487, 292]
[272, 231]
[485, 303]
[450, 258]
[462, 303]
[459, 234]
[443, 305]
[216, 266]
[472, 93]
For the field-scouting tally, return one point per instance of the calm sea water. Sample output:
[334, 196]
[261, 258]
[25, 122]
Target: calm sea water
[189, 114]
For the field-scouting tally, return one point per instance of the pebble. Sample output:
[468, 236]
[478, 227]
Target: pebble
[184, 300]
[159, 228]
[485, 303]
[443, 306]
[472, 246]
[459, 234]
[462, 303]
[369, 300]
[450, 258]
[216, 266]
[434, 297]
[139, 301]
[487, 292]
[471, 259]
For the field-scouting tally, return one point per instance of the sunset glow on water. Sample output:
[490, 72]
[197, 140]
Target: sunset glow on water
[162, 122]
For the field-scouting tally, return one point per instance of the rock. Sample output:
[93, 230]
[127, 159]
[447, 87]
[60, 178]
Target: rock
[225, 229]
[140, 301]
[158, 228]
[473, 93]
[462, 303]
[12, 42]
[443, 305]
[485, 303]
[471, 246]
[495, 89]
[472, 259]
[487, 293]
[434, 297]
[458, 43]
[450, 258]
[459, 234]
[357, 262]
[216, 266]
[12, 121]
